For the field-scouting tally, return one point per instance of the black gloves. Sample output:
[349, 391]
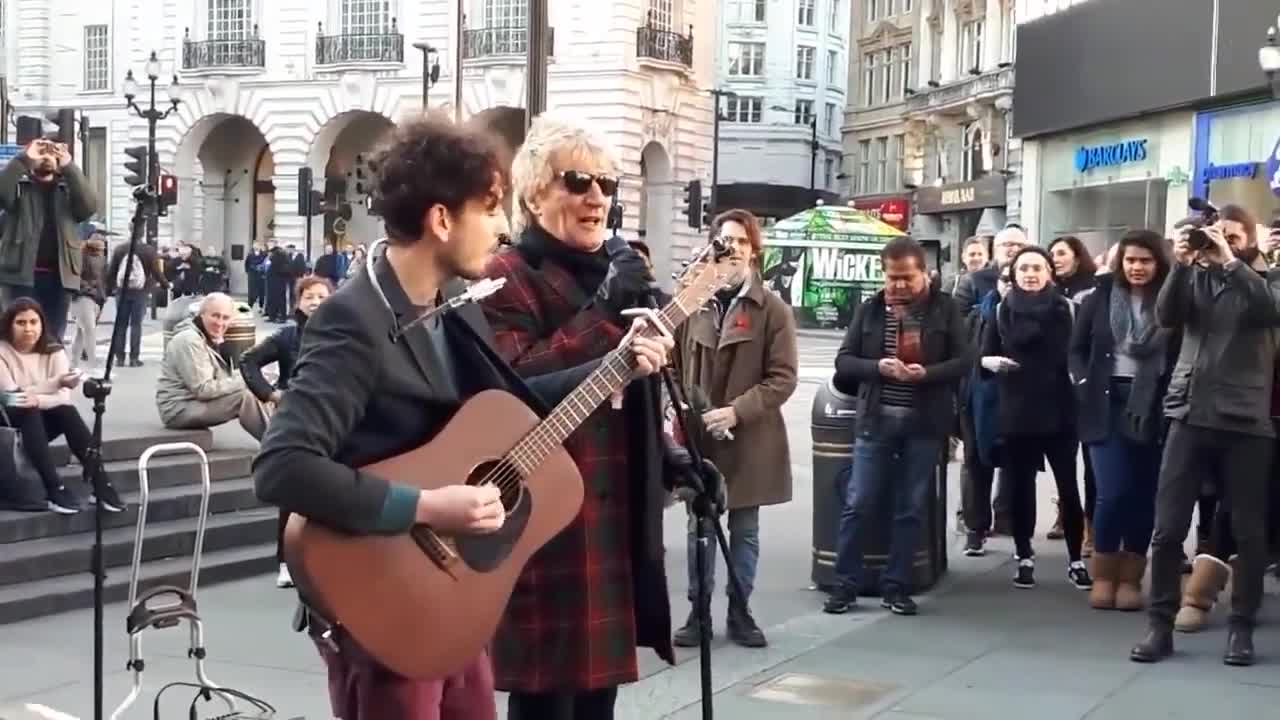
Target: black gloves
[626, 283]
[685, 478]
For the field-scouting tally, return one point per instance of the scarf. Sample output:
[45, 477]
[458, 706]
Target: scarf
[1142, 338]
[1035, 327]
[588, 268]
[909, 317]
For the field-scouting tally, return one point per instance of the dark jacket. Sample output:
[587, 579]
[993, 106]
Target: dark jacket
[146, 253]
[972, 288]
[1037, 398]
[24, 214]
[335, 420]
[280, 348]
[948, 355]
[93, 269]
[1092, 362]
[1230, 322]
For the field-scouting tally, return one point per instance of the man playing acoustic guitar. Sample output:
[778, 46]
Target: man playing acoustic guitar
[368, 386]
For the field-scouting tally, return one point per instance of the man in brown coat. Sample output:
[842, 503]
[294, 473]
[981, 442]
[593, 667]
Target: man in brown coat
[740, 351]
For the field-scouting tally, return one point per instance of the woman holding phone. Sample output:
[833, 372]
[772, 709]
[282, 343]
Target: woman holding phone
[36, 380]
[1026, 349]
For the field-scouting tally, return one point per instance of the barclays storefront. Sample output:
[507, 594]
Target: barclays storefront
[1237, 157]
[1099, 183]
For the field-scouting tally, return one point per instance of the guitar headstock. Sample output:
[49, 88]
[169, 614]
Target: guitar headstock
[705, 277]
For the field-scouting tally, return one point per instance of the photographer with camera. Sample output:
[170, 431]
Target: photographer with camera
[44, 197]
[1218, 403]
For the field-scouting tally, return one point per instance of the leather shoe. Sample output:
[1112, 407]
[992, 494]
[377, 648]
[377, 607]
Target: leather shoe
[1239, 647]
[742, 628]
[1156, 646]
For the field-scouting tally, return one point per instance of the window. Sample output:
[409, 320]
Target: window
[746, 11]
[804, 112]
[882, 163]
[805, 18]
[935, 55]
[229, 19]
[97, 58]
[870, 72]
[907, 79]
[366, 17]
[899, 161]
[888, 62]
[861, 184]
[1009, 44]
[832, 129]
[828, 172]
[746, 59]
[661, 14]
[743, 109]
[972, 163]
[504, 13]
[804, 63]
[94, 164]
[833, 67]
[970, 47]
[833, 17]
[905, 6]
[875, 10]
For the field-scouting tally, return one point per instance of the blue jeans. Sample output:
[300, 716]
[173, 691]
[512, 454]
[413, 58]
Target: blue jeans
[890, 457]
[130, 310]
[54, 299]
[744, 552]
[1127, 475]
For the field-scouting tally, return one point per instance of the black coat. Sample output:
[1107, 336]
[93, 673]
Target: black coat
[1092, 362]
[280, 348]
[1036, 399]
[948, 356]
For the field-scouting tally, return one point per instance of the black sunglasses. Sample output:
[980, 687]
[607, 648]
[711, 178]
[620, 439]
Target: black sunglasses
[579, 183]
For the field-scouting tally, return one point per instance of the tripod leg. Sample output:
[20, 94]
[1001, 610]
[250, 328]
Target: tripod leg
[704, 610]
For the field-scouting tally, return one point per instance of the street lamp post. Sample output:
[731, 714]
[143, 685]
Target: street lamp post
[715, 148]
[1269, 59]
[430, 69]
[152, 115]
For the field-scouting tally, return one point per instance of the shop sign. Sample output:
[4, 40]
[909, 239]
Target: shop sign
[979, 194]
[1089, 157]
[1227, 172]
[1273, 169]
[891, 211]
[823, 284]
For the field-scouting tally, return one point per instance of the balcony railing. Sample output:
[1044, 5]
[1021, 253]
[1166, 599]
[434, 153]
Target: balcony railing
[961, 92]
[665, 45]
[386, 47]
[247, 52]
[497, 41]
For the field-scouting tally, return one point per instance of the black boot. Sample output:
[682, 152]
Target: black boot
[742, 628]
[1156, 646]
[689, 635]
[1239, 647]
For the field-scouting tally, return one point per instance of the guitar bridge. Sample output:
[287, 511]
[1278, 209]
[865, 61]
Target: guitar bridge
[435, 548]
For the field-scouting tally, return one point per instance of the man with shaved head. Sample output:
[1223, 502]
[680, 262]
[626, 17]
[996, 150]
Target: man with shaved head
[197, 386]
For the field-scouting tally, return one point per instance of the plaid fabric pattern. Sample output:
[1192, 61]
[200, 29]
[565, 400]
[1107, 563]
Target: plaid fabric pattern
[570, 624]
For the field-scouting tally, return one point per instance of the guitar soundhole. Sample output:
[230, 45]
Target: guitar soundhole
[483, 553]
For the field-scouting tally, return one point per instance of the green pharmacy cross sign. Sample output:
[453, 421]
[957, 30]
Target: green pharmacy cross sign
[824, 261]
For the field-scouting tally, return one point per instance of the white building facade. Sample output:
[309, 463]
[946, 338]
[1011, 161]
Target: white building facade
[267, 87]
[786, 65]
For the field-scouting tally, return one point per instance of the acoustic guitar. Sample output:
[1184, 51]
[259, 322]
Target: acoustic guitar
[424, 604]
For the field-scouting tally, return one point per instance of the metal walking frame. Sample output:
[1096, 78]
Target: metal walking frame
[145, 616]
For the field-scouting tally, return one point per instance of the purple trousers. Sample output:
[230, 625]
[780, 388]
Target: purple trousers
[362, 689]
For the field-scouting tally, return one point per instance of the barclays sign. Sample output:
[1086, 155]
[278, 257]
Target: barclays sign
[1121, 153]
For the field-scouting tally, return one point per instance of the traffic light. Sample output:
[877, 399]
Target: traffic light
[65, 121]
[28, 129]
[693, 203]
[137, 167]
[317, 203]
[168, 192]
[304, 191]
[707, 217]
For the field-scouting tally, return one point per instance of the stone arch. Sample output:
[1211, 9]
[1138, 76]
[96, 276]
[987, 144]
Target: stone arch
[656, 206]
[338, 159]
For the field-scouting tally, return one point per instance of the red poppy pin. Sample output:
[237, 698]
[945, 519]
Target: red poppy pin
[741, 322]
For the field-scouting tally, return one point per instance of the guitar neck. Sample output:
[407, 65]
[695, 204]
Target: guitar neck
[613, 374]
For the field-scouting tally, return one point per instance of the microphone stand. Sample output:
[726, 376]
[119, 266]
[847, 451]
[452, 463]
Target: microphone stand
[97, 390]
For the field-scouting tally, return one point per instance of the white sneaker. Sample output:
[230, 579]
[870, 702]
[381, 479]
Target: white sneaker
[283, 578]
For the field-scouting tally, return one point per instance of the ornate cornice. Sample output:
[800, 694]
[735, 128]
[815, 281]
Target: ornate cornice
[967, 10]
[885, 34]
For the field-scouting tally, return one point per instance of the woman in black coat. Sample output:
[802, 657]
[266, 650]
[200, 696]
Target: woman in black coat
[282, 349]
[1026, 347]
[1121, 361]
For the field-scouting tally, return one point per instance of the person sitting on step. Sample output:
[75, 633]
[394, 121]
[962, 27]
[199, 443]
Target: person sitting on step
[36, 380]
[197, 387]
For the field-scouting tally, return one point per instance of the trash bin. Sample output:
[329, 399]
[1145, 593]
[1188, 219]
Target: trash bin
[241, 334]
[179, 309]
[832, 432]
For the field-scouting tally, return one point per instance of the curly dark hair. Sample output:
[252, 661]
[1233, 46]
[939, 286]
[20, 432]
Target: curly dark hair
[431, 161]
[46, 343]
[747, 220]
[1150, 240]
[1085, 266]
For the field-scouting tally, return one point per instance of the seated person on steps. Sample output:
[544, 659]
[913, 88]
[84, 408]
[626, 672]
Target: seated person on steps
[197, 387]
[36, 379]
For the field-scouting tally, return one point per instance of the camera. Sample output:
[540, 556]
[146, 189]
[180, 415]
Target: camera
[1197, 239]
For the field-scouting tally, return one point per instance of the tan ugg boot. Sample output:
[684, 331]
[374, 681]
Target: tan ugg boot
[1209, 576]
[1106, 571]
[1129, 584]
